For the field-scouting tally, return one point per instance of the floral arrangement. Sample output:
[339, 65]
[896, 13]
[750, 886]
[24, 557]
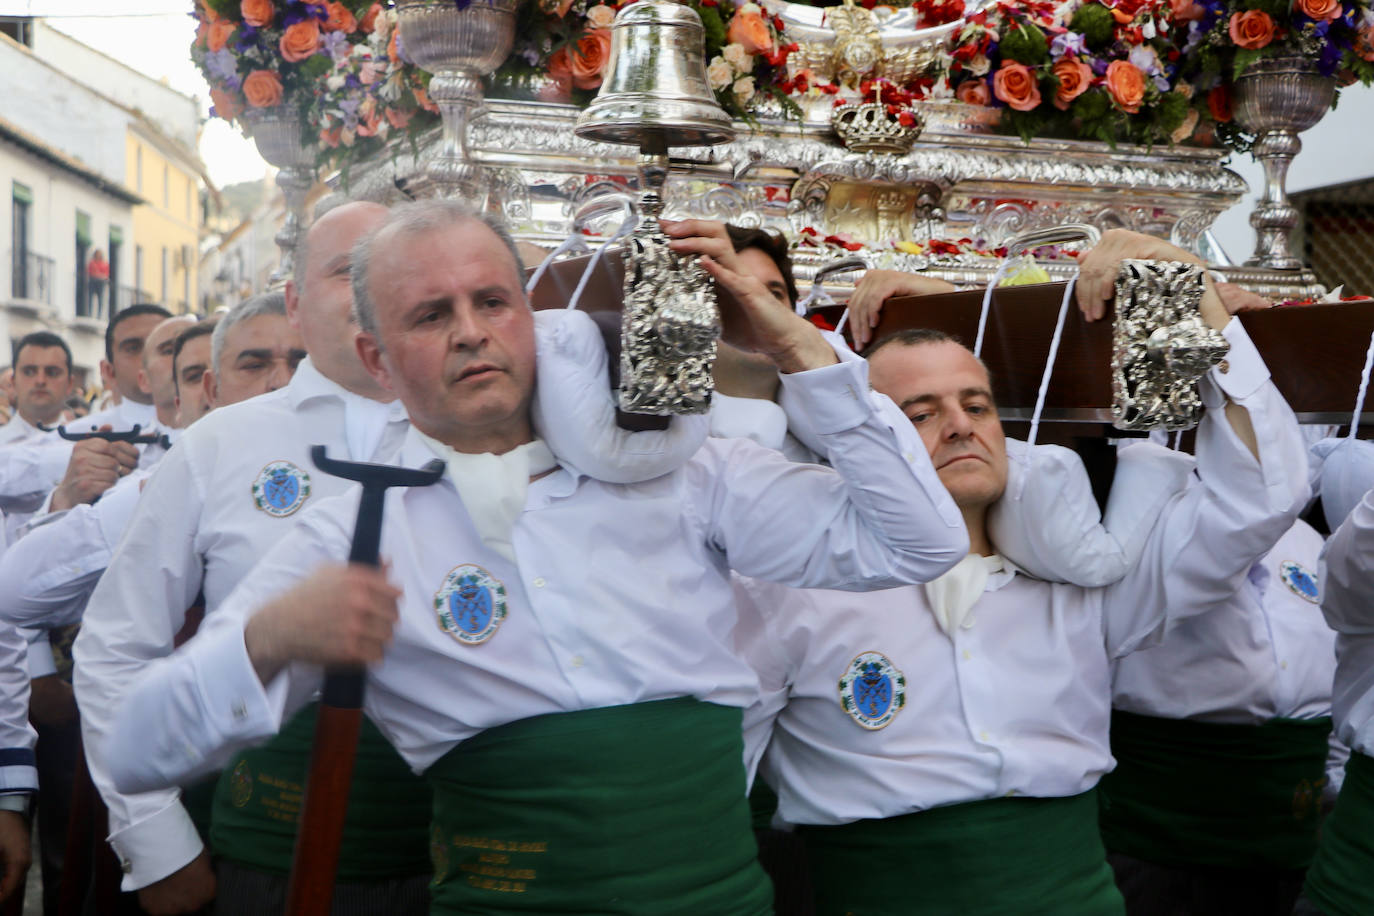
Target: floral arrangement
[334, 64]
[563, 46]
[1094, 69]
[1219, 39]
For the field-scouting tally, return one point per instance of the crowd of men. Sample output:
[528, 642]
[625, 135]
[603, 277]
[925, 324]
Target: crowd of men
[823, 651]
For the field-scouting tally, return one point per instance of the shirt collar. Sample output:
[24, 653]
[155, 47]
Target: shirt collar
[562, 482]
[309, 383]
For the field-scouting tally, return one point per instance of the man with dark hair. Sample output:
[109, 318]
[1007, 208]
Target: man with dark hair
[190, 362]
[42, 382]
[124, 337]
[954, 769]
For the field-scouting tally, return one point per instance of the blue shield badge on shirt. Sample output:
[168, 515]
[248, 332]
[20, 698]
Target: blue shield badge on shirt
[1300, 581]
[872, 690]
[280, 489]
[470, 605]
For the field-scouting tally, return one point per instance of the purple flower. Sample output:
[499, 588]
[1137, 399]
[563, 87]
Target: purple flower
[1099, 66]
[248, 36]
[221, 65]
[335, 44]
[1066, 43]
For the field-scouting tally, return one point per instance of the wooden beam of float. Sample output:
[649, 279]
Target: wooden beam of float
[1315, 353]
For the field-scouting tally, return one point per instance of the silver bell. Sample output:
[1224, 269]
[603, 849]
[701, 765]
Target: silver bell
[656, 86]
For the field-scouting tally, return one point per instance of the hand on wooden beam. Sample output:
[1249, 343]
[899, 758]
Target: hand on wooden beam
[878, 286]
[1098, 268]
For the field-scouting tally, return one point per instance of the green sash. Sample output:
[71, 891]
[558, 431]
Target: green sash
[258, 803]
[1341, 879]
[1189, 793]
[998, 857]
[619, 810]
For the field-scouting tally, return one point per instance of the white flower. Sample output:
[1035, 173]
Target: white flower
[718, 73]
[744, 89]
[749, 9]
[335, 82]
[737, 57]
[601, 16]
[1147, 31]
[978, 65]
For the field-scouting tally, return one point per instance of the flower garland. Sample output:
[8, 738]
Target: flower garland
[1219, 39]
[335, 65]
[1082, 68]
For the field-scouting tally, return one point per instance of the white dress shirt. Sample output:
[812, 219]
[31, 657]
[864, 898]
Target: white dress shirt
[1019, 702]
[18, 430]
[621, 593]
[17, 737]
[197, 528]
[1348, 602]
[1266, 653]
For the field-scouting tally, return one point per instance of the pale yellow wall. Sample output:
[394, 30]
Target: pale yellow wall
[169, 221]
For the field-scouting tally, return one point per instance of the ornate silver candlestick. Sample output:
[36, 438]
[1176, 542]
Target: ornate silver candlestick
[1276, 99]
[655, 95]
[459, 47]
[277, 134]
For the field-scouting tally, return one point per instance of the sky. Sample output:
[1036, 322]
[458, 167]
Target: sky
[154, 38]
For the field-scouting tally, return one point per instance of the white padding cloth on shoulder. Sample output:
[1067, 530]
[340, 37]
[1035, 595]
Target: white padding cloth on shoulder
[1347, 474]
[574, 408]
[1048, 522]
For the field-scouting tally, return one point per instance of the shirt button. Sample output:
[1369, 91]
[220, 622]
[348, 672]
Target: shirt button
[908, 456]
[1283, 665]
[538, 581]
[982, 736]
[967, 655]
[578, 661]
[240, 710]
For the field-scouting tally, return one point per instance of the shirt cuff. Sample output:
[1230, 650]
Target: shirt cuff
[41, 662]
[1242, 373]
[235, 703]
[156, 847]
[18, 772]
[834, 398]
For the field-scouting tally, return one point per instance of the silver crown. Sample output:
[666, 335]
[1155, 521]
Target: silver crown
[868, 128]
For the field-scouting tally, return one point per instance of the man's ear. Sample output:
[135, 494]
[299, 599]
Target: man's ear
[293, 302]
[211, 387]
[370, 352]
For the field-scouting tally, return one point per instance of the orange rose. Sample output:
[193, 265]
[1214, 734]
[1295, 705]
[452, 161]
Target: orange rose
[588, 57]
[1251, 29]
[1074, 79]
[748, 28]
[1219, 103]
[257, 13]
[340, 18]
[226, 104]
[1016, 85]
[559, 69]
[262, 89]
[1320, 10]
[1186, 10]
[301, 40]
[1126, 85]
[219, 34]
[369, 21]
[330, 138]
[973, 92]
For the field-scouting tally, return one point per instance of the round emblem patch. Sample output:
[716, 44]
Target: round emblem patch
[1299, 581]
[240, 785]
[872, 691]
[470, 605]
[281, 488]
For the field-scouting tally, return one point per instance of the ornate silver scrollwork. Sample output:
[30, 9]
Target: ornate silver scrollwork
[1161, 345]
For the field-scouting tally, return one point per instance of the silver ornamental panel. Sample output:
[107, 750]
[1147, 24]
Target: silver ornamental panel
[1160, 345]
